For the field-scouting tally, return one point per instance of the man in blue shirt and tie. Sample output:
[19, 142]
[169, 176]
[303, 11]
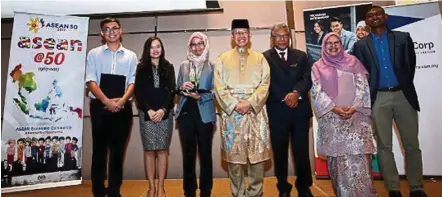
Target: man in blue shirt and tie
[390, 59]
[110, 77]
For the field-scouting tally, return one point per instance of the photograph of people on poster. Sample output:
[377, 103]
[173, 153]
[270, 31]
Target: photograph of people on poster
[342, 20]
[50, 154]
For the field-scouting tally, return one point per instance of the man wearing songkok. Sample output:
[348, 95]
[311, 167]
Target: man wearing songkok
[242, 78]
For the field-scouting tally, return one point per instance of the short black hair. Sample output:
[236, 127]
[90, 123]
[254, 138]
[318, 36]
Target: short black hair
[335, 19]
[375, 7]
[109, 20]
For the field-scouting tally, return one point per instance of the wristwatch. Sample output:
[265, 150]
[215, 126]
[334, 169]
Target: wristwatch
[300, 97]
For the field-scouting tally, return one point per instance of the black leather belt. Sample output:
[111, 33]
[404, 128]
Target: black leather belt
[390, 89]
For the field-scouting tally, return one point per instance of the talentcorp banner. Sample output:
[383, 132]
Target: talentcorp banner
[43, 111]
[423, 22]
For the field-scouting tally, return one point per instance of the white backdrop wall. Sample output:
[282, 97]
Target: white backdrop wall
[428, 80]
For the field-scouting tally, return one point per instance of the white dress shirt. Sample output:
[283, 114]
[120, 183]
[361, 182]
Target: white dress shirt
[285, 51]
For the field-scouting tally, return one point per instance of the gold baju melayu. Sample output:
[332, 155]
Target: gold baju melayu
[245, 138]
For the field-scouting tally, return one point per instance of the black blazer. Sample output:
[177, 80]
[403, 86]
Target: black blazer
[319, 42]
[285, 79]
[404, 63]
[147, 96]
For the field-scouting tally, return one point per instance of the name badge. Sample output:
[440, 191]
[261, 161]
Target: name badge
[293, 65]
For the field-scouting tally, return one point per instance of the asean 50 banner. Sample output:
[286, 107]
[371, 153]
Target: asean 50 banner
[43, 112]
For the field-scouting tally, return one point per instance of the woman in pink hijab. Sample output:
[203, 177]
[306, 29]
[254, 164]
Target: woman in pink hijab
[341, 100]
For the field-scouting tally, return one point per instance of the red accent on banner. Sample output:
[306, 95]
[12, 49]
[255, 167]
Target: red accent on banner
[321, 167]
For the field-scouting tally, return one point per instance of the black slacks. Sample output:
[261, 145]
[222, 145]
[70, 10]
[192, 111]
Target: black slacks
[194, 134]
[296, 131]
[109, 131]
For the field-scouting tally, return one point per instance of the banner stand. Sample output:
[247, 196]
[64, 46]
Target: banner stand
[41, 186]
[42, 130]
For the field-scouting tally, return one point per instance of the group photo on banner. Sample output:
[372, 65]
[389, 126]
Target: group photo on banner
[43, 112]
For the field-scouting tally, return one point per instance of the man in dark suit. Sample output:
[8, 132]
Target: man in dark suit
[289, 110]
[390, 59]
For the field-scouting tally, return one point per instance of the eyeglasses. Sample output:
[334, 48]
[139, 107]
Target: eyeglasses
[281, 36]
[337, 43]
[113, 29]
[240, 33]
[199, 44]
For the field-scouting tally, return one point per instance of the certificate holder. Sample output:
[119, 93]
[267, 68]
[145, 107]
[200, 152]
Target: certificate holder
[113, 86]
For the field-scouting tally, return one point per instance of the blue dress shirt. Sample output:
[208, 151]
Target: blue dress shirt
[387, 77]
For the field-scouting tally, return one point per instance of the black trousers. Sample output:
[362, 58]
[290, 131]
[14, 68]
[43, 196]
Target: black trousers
[67, 159]
[109, 130]
[297, 131]
[194, 134]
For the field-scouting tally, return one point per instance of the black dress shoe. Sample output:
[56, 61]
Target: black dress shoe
[287, 189]
[285, 194]
[103, 193]
[189, 194]
[205, 194]
[418, 193]
[305, 193]
[394, 194]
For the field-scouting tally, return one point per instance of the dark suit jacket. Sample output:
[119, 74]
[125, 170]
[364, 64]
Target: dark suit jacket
[319, 42]
[404, 63]
[285, 79]
[147, 96]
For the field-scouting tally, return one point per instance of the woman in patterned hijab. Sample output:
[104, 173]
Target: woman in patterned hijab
[341, 100]
[196, 114]
[197, 54]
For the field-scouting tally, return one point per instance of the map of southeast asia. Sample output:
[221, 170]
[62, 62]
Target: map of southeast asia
[46, 108]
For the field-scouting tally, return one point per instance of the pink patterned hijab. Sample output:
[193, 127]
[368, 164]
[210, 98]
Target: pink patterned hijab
[328, 65]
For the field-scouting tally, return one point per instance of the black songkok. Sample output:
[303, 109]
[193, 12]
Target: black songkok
[240, 23]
